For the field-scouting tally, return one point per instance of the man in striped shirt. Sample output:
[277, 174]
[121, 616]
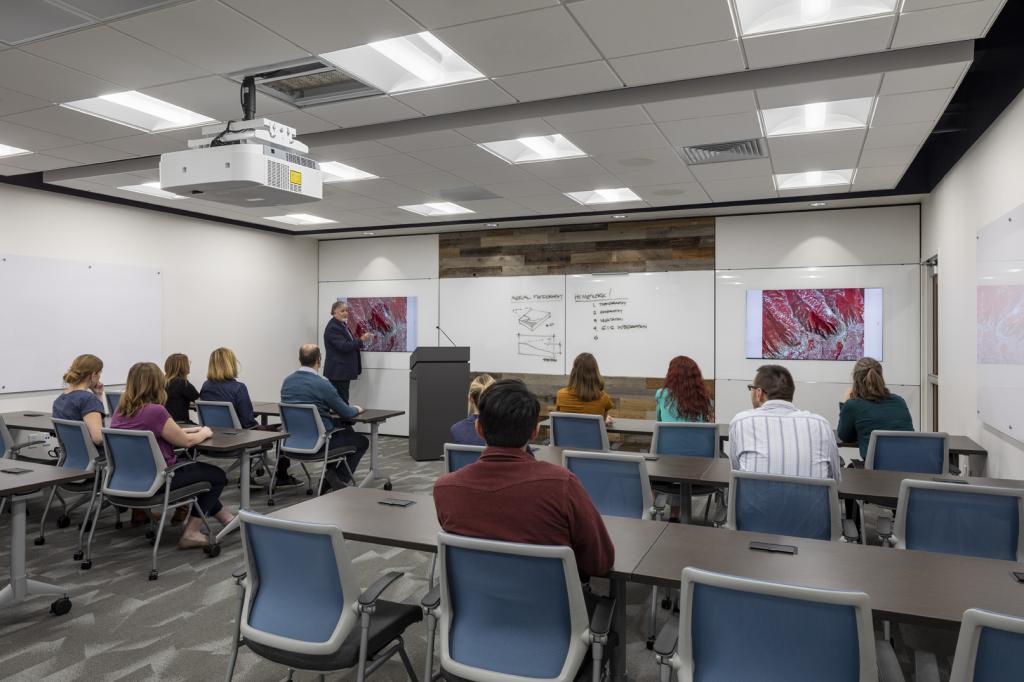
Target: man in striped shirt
[777, 438]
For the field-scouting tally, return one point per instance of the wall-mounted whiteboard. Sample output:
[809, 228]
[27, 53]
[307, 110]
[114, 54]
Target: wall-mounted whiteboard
[56, 309]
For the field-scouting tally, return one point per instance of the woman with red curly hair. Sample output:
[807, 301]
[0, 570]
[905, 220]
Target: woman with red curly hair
[684, 397]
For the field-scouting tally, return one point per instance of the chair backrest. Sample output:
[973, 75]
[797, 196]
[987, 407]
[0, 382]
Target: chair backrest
[784, 505]
[457, 456]
[510, 611]
[990, 648]
[685, 438]
[785, 632]
[300, 589]
[6, 440]
[135, 465]
[113, 399]
[79, 452]
[616, 482]
[217, 413]
[578, 431]
[306, 433]
[955, 518]
[922, 453]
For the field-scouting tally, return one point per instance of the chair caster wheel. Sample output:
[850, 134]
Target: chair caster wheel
[61, 606]
[270, 502]
[79, 556]
[650, 644]
[212, 550]
[309, 492]
[387, 485]
[40, 541]
[86, 565]
[118, 525]
[153, 575]
[63, 521]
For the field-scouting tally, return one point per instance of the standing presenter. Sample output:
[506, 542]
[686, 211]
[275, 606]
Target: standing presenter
[343, 362]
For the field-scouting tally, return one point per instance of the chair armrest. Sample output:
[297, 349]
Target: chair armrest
[239, 574]
[884, 527]
[888, 666]
[668, 638]
[373, 592]
[601, 621]
[661, 501]
[432, 599]
[169, 471]
[850, 531]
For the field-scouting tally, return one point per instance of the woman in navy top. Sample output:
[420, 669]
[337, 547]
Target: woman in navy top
[222, 385]
[81, 399]
[464, 432]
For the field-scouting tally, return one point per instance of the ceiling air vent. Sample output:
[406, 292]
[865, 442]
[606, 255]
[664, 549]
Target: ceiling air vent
[307, 82]
[742, 150]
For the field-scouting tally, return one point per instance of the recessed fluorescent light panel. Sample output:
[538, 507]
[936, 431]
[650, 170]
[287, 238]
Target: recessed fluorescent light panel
[152, 189]
[437, 208]
[335, 171]
[142, 112]
[765, 16]
[300, 219]
[531, 149]
[412, 62]
[603, 196]
[818, 117]
[7, 150]
[814, 178]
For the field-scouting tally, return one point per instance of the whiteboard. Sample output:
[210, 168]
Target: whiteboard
[635, 324]
[56, 309]
[511, 324]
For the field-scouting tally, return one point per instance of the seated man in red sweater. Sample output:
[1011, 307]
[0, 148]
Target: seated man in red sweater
[508, 495]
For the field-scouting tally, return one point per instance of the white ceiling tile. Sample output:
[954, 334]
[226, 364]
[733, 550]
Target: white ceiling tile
[6, 170]
[732, 170]
[585, 183]
[347, 151]
[898, 135]
[522, 42]
[328, 25]
[525, 188]
[647, 167]
[393, 164]
[883, 177]
[61, 121]
[938, 77]
[566, 168]
[305, 124]
[821, 42]
[215, 97]
[698, 107]
[89, 153]
[457, 97]
[552, 203]
[945, 24]
[911, 107]
[437, 139]
[32, 75]
[210, 35]
[505, 172]
[145, 144]
[457, 158]
[626, 28]
[561, 81]
[709, 129]
[494, 207]
[37, 162]
[814, 191]
[680, 64]
[30, 138]
[13, 102]
[914, 5]
[599, 119]
[25, 20]
[430, 181]
[388, 191]
[887, 156]
[394, 214]
[655, 175]
[819, 91]
[365, 111]
[115, 57]
[507, 130]
[440, 13]
[674, 195]
[740, 190]
[336, 197]
[613, 140]
[819, 151]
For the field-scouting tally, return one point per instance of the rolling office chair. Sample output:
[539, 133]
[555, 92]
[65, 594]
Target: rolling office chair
[990, 648]
[301, 605]
[923, 453]
[689, 439]
[137, 477]
[457, 456]
[221, 414]
[509, 611]
[308, 441]
[578, 431]
[786, 632]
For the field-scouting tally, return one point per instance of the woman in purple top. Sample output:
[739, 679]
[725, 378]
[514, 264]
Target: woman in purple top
[142, 409]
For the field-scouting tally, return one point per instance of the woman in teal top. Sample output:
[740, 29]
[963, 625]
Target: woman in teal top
[684, 396]
[869, 406]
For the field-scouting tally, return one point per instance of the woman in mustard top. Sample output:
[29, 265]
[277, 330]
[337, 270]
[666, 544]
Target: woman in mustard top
[585, 392]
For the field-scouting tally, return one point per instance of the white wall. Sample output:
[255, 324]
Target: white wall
[983, 185]
[249, 290]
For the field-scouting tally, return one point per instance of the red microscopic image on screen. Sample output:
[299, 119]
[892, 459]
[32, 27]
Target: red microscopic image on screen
[1001, 324]
[812, 324]
[386, 318]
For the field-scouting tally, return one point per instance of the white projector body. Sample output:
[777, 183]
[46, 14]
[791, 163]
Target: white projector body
[257, 163]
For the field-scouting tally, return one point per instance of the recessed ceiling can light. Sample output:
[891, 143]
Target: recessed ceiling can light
[300, 219]
[139, 111]
[619, 216]
[412, 62]
[815, 178]
[369, 234]
[492, 225]
[818, 204]
[335, 171]
[767, 16]
[436, 208]
[152, 189]
[7, 150]
[817, 117]
[603, 196]
[533, 149]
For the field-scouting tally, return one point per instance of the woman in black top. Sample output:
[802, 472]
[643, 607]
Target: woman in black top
[180, 391]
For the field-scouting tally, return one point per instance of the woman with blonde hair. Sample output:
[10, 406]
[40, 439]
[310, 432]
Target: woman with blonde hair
[464, 432]
[142, 409]
[180, 391]
[585, 392]
[869, 406]
[81, 401]
[222, 385]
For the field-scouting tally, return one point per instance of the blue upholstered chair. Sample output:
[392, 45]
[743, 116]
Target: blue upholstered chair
[510, 611]
[137, 477]
[922, 453]
[113, 400]
[301, 606]
[687, 439]
[222, 415]
[457, 456]
[308, 441]
[784, 632]
[990, 648]
[787, 505]
[578, 431]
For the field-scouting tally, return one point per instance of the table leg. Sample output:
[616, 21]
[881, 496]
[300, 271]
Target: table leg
[685, 502]
[374, 472]
[617, 653]
[243, 481]
[21, 586]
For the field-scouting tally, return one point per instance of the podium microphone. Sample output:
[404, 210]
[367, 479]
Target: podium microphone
[438, 328]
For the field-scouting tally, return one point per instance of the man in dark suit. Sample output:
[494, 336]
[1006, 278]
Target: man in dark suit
[343, 363]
